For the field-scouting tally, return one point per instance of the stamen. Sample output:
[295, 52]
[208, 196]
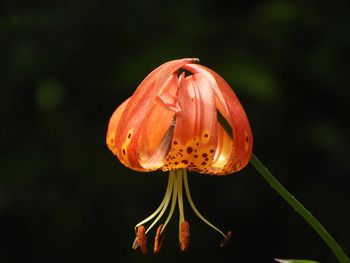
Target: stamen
[184, 236]
[187, 189]
[172, 208]
[165, 199]
[165, 206]
[141, 240]
[227, 239]
[173, 191]
[158, 241]
[180, 199]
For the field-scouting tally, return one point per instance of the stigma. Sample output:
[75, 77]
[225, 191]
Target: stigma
[174, 195]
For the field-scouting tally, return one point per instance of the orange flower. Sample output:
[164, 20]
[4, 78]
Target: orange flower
[182, 117]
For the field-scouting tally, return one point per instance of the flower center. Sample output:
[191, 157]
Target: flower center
[174, 192]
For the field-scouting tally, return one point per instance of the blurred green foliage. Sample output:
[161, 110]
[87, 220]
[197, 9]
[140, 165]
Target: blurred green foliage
[66, 65]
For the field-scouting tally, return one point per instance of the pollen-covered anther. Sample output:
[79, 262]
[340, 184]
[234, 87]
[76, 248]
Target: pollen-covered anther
[184, 236]
[141, 240]
[227, 239]
[158, 241]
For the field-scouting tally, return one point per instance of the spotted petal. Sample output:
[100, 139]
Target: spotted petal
[232, 110]
[195, 134]
[113, 125]
[137, 110]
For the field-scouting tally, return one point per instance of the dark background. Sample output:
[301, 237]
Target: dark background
[66, 65]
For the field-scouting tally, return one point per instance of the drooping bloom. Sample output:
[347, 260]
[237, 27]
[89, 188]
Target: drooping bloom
[182, 117]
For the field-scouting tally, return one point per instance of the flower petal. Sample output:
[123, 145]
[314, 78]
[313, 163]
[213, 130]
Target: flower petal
[168, 94]
[139, 106]
[229, 106]
[222, 152]
[195, 134]
[112, 127]
[157, 130]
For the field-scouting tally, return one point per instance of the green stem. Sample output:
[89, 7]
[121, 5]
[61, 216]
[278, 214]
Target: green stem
[313, 222]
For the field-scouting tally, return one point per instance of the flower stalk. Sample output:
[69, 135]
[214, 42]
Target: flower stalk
[300, 209]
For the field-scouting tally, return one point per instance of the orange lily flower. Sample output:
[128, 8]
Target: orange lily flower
[182, 117]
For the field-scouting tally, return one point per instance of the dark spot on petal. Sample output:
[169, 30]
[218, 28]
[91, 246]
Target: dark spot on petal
[184, 161]
[212, 150]
[206, 135]
[205, 155]
[124, 152]
[206, 159]
[129, 135]
[246, 139]
[189, 150]
[197, 143]
[176, 163]
[191, 163]
[203, 163]
[195, 156]
[181, 150]
[175, 142]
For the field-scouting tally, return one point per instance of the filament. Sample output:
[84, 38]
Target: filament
[173, 193]
[163, 203]
[172, 207]
[187, 189]
[180, 199]
[165, 206]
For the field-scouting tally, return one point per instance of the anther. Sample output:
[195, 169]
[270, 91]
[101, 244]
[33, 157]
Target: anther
[158, 241]
[227, 239]
[184, 236]
[141, 240]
